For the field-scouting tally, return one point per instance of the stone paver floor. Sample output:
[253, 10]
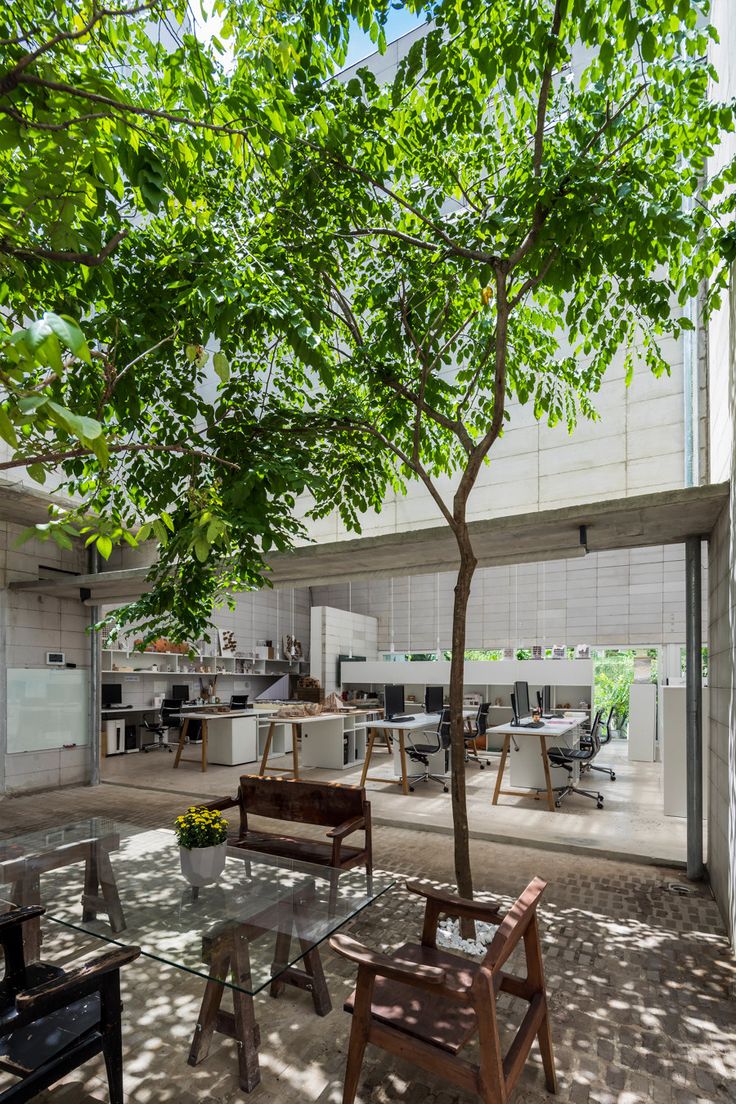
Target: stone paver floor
[641, 980]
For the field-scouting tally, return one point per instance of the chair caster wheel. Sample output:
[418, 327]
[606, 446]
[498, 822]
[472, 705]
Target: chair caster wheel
[144, 750]
[482, 766]
[446, 789]
[411, 789]
[171, 751]
[599, 803]
[613, 777]
[558, 804]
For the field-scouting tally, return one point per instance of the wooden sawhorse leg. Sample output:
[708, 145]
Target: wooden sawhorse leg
[99, 876]
[182, 741]
[294, 769]
[231, 956]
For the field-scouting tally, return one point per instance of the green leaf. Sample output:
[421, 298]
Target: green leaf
[7, 430]
[221, 366]
[104, 546]
[37, 472]
[69, 333]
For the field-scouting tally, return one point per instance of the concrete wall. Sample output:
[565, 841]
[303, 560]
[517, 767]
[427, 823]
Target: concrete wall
[336, 632]
[722, 683]
[722, 406]
[30, 626]
[614, 598]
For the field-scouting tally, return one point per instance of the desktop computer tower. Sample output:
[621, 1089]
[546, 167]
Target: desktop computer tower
[131, 737]
[115, 737]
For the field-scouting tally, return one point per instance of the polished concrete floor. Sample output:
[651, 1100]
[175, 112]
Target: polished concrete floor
[641, 980]
[631, 824]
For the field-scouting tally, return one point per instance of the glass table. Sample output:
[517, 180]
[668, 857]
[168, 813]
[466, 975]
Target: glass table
[260, 925]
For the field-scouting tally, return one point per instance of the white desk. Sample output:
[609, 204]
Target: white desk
[530, 766]
[396, 732]
[233, 739]
[325, 738]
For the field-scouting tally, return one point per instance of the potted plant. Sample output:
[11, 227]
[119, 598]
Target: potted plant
[202, 838]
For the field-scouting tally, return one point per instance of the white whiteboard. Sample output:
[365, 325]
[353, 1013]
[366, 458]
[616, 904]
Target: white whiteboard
[47, 709]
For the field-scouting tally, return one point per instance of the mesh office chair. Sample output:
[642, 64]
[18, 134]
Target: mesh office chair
[420, 753]
[471, 745]
[605, 738]
[567, 758]
[170, 709]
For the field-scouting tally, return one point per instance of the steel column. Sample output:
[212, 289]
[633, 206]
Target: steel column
[694, 708]
[94, 678]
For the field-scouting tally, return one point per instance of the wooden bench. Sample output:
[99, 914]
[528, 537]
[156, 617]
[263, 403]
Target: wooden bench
[343, 809]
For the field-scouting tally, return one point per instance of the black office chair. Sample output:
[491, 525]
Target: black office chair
[420, 753]
[169, 718]
[606, 734]
[567, 758]
[479, 729]
[51, 1020]
[239, 701]
[604, 730]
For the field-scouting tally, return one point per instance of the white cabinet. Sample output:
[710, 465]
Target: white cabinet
[674, 755]
[232, 740]
[642, 722]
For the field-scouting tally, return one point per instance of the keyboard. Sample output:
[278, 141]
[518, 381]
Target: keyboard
[394, 720]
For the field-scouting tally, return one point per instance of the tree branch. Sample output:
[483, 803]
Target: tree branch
[545, 87]
[81, 450]
[70, 36]
[91, 260]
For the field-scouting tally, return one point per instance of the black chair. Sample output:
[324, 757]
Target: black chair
[51, 1020]
[239, 701]
[420, 753]
[471, 738]
[607, 725]
[169, 718]
[567, 758]
[605, 738]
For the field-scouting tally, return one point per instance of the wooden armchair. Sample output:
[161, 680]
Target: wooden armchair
[52, 1020]
[425, 1004]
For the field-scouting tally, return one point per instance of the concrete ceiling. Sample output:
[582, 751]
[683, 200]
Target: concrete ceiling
[664, 517]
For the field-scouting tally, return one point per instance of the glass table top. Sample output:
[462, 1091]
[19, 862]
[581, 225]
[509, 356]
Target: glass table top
[123, 884]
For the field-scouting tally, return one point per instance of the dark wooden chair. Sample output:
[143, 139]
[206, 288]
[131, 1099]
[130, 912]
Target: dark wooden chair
[343, 809]
[52, 1020]
[424, 1004]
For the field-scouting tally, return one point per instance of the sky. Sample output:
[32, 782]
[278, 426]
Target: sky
[397, 24]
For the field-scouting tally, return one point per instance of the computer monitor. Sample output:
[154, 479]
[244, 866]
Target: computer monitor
[521, 691]
[181, 693]
[111, 693]
[434, 699]
[546, 700]
[393, 701]
[239, 701]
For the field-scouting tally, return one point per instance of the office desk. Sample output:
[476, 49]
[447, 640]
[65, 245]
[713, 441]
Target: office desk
[397, 731]
[533, 781]
[234, 738]
[325, 749]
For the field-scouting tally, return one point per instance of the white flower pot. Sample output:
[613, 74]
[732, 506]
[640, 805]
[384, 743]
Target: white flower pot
[203, 865]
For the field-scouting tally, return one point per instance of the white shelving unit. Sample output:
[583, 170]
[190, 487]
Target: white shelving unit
[251, 665]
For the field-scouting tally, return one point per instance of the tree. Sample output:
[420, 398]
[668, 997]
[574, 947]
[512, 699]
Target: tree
[522, 203]
[115, 125]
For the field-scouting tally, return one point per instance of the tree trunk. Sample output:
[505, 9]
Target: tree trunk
[463, 873]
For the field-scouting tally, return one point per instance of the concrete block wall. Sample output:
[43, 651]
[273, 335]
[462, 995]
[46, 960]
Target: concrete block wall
[336, 632]
[632, 597]
[722, 686]
[30, 626]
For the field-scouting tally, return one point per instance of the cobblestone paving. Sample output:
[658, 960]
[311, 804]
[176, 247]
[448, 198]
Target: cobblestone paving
[641, 980]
